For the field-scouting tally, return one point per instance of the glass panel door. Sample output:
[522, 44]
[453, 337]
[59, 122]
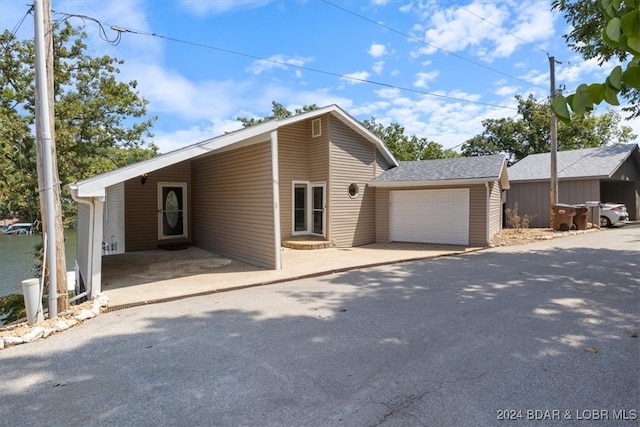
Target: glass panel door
[171, 210]
[318, 209]
[300, 208]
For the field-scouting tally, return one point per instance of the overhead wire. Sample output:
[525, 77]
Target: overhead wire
[121, 29]
[419, 40]
[19, 23]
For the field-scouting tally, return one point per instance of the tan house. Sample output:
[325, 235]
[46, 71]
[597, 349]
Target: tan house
[240, 195]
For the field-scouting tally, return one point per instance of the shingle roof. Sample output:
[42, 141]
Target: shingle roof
[601, 162]
[480, 168]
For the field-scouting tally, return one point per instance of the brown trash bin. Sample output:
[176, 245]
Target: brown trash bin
[580, 217]
[563, 217]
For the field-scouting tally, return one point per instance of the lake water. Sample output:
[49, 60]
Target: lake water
[17, 258]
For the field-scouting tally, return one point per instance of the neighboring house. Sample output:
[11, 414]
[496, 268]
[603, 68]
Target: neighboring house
[452, 201]
[607, 174]
[243, 193]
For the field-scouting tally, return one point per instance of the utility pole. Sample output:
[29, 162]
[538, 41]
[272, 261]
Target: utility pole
[553, 192]
[50, 203]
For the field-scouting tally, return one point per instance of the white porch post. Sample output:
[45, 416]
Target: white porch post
[276, 199]
[96, 247]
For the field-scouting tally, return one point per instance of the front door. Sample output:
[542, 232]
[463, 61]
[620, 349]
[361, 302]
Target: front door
[308, 208]
[172, 210]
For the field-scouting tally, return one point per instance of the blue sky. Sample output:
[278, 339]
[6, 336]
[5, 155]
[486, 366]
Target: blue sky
[437, 67]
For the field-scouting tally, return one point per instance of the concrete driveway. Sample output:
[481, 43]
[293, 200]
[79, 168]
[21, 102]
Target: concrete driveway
[543, 334]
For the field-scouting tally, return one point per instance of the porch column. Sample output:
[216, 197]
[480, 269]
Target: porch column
[276, 199]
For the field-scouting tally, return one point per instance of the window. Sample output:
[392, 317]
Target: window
[316, 128]
[353, 190]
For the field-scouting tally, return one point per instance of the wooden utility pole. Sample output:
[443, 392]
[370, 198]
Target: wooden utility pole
[553, 192]
[50, 203]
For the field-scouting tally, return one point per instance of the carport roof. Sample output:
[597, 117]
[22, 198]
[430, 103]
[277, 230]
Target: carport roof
[459, 170]
[595, 163]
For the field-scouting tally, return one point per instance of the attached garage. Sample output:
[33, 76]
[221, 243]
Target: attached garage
[445, 201]
[429, 216]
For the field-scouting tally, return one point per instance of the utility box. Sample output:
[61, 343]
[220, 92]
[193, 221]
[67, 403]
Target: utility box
[563, 217]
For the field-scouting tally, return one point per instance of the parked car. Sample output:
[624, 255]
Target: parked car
[613, 214]
[19, 228]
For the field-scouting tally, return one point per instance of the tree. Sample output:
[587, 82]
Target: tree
[404, 147]
[529, 133]
[609, 31]
[278, 112]
[100, 122]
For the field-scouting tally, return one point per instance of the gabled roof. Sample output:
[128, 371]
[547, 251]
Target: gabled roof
[595, 163]
[459, 170]
[95, 186]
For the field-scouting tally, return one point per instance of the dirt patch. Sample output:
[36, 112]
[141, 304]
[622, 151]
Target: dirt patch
[513, 237]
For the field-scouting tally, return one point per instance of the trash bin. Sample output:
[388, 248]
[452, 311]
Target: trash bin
[32, 300]
[563, 217]
[580, 217]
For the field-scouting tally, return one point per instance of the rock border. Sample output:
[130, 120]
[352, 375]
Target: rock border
[63, 322]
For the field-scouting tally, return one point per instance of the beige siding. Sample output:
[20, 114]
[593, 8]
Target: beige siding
[382, 214]
[300, 158]
[495, 209]
[382, 164]
[141, 206]
[478, 216]
[533, 198]
[351, 220]
[232, 213]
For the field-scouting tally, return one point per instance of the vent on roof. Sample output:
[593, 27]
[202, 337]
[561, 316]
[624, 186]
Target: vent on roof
[316, 128]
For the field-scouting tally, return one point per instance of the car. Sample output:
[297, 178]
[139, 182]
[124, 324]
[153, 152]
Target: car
[19, 228]
[613, 214]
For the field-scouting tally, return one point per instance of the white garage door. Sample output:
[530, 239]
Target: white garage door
[430, 216]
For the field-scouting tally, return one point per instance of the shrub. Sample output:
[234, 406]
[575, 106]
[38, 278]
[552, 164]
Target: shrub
[516, 221]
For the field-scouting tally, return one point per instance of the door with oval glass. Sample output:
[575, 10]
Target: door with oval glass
[172, 210]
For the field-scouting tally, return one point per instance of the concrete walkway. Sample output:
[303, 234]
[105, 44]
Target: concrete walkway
[137, 278]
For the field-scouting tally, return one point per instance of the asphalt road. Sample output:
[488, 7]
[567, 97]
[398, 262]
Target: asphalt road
[541, 334]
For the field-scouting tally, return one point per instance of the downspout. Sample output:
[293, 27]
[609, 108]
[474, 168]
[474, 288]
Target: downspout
[89, 278]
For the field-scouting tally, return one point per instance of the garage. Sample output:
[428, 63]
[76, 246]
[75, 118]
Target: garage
[429, 216]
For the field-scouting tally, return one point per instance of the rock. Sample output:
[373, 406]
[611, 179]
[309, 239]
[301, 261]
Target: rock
[12, 340]
[102, 299]
[85, 314]
[47, 332]
[1, 343]
[72, 322]
[33, 335]
[61, 326]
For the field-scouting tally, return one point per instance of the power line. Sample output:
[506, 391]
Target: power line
[386, 27]
[121, 29]
[19, 24]
[498, 26]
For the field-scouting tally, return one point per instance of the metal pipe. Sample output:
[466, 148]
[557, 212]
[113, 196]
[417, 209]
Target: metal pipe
[47, 159]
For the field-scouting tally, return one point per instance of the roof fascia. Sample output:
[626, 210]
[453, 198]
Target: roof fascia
[433, 183]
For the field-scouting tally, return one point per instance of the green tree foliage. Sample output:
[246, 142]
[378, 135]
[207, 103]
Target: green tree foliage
[611, 30]
[529, 133]
[405, 147]
[278, 112]
[100, 122]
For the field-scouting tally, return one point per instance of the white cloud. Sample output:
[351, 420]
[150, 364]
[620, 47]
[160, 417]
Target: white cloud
[276, 61]
[377, 50]
[378, 67]
[355, 78]
[487, 30]
[422, 79]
